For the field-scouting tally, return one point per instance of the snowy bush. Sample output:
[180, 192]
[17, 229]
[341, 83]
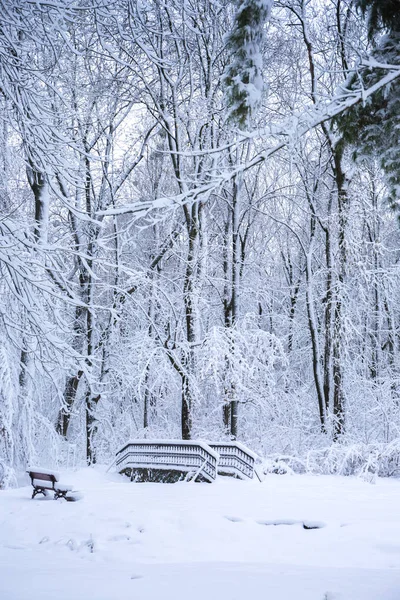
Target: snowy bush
[7, 476]
[282, 465]
[362, 460]
[382, 460]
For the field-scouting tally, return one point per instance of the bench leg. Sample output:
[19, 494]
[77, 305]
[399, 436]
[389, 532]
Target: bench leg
[59, 494]
[38, 491]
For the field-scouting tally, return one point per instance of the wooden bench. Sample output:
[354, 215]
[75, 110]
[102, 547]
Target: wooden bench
[44, 480]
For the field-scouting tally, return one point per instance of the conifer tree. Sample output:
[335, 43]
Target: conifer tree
[373, 128]
[243, 76]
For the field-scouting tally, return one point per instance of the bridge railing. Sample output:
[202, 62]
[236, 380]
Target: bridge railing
[181, 456]
[234, 459]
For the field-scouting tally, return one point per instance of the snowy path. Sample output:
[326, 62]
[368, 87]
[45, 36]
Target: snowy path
[202, 541]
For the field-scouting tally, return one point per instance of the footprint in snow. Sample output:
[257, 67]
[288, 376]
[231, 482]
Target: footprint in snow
[118, 538]
[44, 540]
[280, 522]
[305, 524]
[234, 519]
[313, 524]
[72, 545]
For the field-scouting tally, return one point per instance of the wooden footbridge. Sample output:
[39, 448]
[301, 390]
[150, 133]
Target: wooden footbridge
[174, 460]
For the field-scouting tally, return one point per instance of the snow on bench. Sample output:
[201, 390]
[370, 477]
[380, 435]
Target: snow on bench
[167, 460]
[43, 480]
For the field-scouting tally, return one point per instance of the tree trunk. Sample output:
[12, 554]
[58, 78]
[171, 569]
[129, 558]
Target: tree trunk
[328, 315]
[338, 392]
[90, 411]
[236, 261]
[186, 408]
[190, 318]
[313, 327]
[64, 415]
[40, 188]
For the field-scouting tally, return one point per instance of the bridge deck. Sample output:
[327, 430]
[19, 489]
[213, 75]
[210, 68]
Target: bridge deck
[234, 459]
[148, 459]
[194, 458]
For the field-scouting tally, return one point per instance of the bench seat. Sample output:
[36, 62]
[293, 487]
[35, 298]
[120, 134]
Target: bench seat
[41, 483]
[62, 487]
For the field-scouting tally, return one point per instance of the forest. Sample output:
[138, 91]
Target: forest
[199, 228]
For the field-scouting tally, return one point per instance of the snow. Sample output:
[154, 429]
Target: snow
[165, 442]
[63, 487]
[227, 540]
[239, 445]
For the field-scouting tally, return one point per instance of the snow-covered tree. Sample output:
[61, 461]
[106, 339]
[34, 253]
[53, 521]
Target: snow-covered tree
[243, 78]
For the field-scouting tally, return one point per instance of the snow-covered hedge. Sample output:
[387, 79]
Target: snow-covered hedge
[366, 460]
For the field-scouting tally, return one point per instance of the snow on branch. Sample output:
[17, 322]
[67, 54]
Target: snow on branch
[291, 129]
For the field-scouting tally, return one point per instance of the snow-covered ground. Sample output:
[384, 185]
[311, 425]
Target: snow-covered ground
[203, 541]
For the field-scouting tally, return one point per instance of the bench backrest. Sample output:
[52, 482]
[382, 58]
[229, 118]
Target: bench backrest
[43, 476]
